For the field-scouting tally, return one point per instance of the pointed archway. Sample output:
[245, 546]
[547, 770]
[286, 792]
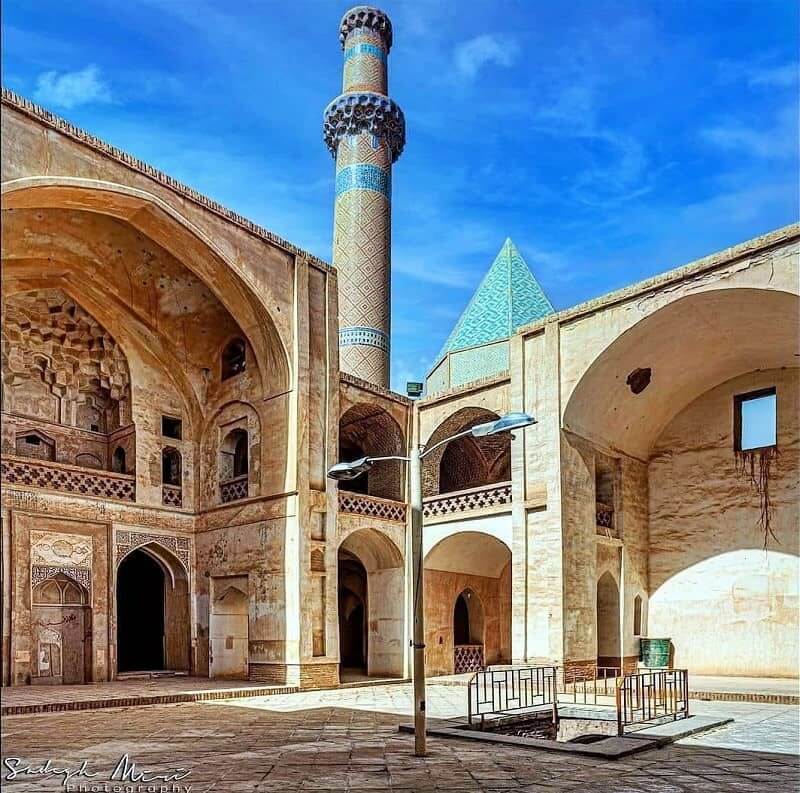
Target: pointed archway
[371, 596]
[609, 641]
[152, 610]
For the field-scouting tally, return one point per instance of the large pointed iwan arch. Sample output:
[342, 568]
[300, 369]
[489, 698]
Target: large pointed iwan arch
[155, 218]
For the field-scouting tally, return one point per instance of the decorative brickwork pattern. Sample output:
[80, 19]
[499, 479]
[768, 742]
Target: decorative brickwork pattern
[367, 430]
[467, 658]
[468, 462]
[126, 541]
[363, 177]
[171, 496]
[266, 673]
[357, 504]
[319, 676]
[467, 500]
[233, 489]
[364, 63]
[96, 484]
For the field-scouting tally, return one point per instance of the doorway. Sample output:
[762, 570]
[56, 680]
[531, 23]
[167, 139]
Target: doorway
[353, 639]
[141, 585]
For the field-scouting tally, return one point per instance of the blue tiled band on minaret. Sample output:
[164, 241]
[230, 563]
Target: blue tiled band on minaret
[365, 49]
[368, 336]
[363, 177]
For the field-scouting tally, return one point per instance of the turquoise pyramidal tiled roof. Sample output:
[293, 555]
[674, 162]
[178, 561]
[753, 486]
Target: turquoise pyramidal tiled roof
[508, 297]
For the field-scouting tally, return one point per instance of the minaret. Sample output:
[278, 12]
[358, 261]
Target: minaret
[365, 131]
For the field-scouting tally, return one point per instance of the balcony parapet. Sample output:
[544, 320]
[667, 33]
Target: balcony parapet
[171, 495]
[49, 475]
[488, 497]
[372, 506]
[233, 489]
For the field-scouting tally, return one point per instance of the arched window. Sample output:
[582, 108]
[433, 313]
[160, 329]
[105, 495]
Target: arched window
[233, 358]
[118, 464]
[240, 454]
[234, 465]
[171, 467]
[637, 616]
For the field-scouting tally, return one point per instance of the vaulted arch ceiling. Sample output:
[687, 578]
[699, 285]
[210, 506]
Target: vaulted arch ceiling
[690, 346]
[165, 234]
[143, 294]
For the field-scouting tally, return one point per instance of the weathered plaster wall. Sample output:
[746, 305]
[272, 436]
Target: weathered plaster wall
[537, 560]
[730, 607]
[746, 284]
[634, 527]
[255, 550]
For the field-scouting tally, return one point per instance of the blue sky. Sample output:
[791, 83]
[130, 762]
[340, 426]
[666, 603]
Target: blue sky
[610, 140]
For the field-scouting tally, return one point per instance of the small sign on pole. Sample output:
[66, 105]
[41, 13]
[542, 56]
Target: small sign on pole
[414, 390]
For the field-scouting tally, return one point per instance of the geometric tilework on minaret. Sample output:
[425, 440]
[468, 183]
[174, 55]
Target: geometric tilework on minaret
[365, 131]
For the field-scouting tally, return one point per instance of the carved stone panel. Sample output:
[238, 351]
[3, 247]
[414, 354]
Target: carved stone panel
[61, 550]
[129, 540]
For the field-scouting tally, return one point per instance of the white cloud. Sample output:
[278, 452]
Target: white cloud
[784, 76]
[776, 140]
[70, 89]
[470, 56]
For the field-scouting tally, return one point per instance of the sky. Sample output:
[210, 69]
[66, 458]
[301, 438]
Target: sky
[610, 140]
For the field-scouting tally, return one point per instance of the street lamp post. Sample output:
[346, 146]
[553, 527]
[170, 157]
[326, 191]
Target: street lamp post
[350, 470]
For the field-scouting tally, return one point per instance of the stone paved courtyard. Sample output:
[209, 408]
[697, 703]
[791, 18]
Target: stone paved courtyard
[347, 740]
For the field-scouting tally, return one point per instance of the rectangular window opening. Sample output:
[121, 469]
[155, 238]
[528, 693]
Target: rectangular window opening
[755, 420]
[171, 428]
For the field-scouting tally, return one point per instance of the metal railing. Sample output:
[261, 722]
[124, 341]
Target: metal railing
[586, 687]
[644, 697]
[503, 691]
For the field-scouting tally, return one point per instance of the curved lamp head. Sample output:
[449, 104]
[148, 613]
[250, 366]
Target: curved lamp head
[344, 471]
[511, 421]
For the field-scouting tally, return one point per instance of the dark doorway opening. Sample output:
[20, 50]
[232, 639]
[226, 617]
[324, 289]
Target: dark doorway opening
[140, 613]
[461, 622]
[352, 613]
